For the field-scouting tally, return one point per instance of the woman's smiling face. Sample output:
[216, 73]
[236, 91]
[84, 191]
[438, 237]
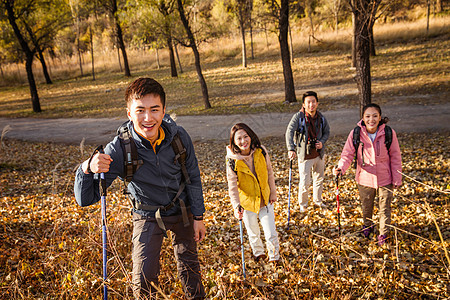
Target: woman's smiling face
[371, 118]
[243, 141]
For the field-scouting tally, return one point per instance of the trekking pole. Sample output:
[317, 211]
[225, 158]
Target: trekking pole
[289, 192]
[241, 229]
[104, 236]
[338, 206]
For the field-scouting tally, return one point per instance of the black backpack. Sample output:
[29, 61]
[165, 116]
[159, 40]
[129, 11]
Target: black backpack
[357, 140]
[298, 135]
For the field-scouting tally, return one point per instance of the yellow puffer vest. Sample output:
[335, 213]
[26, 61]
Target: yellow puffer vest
[252, 188]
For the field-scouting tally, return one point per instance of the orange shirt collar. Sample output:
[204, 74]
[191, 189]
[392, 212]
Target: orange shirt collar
[157, 142]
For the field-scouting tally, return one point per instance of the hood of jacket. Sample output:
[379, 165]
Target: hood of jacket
[239, 156]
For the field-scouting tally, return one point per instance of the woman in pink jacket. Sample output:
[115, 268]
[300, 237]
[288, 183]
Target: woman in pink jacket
[377, 170]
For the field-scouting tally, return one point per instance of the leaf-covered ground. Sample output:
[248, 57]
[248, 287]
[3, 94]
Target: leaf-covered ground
[50, 248]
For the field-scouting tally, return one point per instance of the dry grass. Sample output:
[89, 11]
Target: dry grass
[410, 67]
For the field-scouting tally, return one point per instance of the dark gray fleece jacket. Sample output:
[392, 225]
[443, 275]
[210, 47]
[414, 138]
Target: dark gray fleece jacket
[157, 181]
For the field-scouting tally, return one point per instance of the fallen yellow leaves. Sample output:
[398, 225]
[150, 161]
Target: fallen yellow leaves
[50, 247]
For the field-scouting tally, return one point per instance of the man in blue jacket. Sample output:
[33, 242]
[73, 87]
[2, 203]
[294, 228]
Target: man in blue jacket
[153, 190]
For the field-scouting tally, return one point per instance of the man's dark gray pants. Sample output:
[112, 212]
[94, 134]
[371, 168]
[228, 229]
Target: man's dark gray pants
[147, 241]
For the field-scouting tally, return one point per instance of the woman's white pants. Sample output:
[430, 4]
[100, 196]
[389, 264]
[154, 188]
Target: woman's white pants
[266, 216]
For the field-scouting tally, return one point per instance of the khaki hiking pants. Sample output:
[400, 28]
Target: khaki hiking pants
[310, 169]
[367, 197]
[147, 241]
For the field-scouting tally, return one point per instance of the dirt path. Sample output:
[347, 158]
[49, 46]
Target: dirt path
[411, 118]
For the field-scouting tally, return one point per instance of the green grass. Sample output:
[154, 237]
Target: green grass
[404, 71]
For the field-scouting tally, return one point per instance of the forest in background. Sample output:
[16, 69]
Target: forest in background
[76, 39]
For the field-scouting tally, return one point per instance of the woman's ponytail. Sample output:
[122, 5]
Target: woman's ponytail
[384, 120]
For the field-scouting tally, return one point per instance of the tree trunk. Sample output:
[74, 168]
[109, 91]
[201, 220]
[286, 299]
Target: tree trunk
[178, 58]
[291, 46]
[428, 16]
[289, 88]
[439, 6]
[122, 48]
[244, 49]
[157, 59]
[120, 38]
[372, 40]
[118, 56]
[79, 57]
[29, 56]
[32, 83]
[337, 8]
[336, 22]
[251, 38]
[44, 66]
[193, 45]
[92, 52]
[353, 36]
[363, 77]
[173, 67]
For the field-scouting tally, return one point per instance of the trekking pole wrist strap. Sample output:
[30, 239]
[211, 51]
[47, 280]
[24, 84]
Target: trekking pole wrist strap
[98, 149]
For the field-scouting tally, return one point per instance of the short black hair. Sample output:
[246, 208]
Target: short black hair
[310, 93]
[144, 86]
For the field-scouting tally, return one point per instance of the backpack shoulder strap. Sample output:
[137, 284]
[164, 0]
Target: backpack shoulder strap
[388, 137]
[232, 164]
[130, 155]
[180, 155]
[356, 142]
[356, 137]
[301, 122]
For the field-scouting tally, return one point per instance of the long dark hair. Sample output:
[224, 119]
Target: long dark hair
[383, 120]
[254, 138]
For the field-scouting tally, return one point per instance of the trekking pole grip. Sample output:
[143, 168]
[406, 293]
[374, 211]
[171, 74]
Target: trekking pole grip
[99, 149]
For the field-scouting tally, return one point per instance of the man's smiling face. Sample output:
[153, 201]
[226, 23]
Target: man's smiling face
[147, 114]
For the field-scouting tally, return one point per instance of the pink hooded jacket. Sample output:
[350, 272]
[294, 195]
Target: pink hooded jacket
[380, 166]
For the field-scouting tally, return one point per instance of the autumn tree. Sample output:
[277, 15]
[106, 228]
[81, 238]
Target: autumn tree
[14, 11]
[114, 8]
[155, 24]
[193, 45]
[241, 10]
[42, 27]
[280, 12]
[364, 11]
[289, 88]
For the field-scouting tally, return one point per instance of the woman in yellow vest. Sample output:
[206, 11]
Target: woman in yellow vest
[252, 190]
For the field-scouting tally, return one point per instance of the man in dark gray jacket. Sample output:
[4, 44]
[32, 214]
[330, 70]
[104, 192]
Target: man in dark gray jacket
[306, 135]
[153, 190]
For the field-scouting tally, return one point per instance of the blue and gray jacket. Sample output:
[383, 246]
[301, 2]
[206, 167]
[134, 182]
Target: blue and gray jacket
[157, 181]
